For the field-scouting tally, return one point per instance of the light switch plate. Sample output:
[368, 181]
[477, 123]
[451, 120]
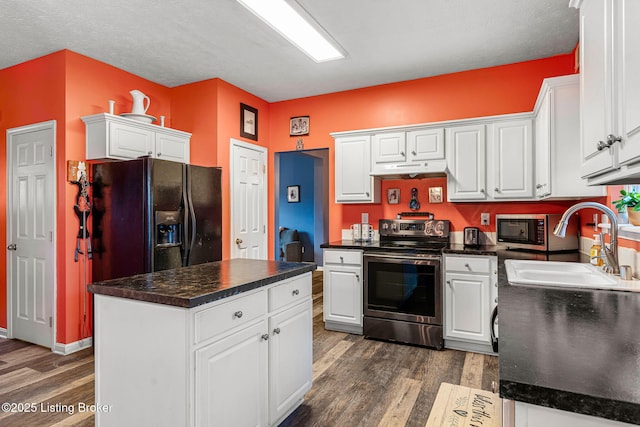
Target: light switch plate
[485, 217]
[364, 218]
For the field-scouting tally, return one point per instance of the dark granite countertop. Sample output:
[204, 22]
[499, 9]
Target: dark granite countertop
[576, 350]
[200, 284]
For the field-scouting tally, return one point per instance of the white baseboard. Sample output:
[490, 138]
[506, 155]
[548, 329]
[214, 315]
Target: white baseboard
[3, 333]
[65, 349]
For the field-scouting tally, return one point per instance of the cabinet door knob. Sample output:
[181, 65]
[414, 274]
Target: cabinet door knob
[539, 186]
[238, 241]
[449, 282]
[265, 337]
[358, 277]
[149, 152]
[342, 259]
[414, 153]
[367, 193]
[159, 154]
[497, 190]
[276, 331]
[238, 314]
[468, 266]
[402, 153]
[12, 247]
[295, 292]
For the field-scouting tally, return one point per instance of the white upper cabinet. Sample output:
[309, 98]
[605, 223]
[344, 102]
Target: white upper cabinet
[425, 144]
[120, 138]
[353, 180]
[490, 162]
[389, 148]
[557, 139]
[466, 161]
[510, 160]
[392, 151]
[610, 83]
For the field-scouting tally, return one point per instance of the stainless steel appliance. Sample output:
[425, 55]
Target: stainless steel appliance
[535, 232]
[403, 282]
[471, 236]
[152, 215]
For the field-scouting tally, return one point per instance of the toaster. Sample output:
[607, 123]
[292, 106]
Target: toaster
[471, 236]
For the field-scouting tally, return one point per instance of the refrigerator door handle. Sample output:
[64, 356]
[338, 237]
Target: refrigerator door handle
[192, 214]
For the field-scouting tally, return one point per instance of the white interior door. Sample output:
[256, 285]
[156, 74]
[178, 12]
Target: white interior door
[30, 233]
[248, 201]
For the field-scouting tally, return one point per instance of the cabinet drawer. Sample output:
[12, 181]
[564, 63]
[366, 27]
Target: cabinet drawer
[290, 292]
[230, 315]
[343, 257]
[468, 264]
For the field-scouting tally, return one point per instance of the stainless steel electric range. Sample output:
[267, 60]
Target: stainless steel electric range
[403, 282]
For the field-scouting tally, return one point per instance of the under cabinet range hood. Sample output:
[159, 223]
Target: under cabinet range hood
[428, 169]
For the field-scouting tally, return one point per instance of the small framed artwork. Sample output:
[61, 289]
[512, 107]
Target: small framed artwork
[293, 193]
[435, 194]
[393, 196]
[299, 126]
[248, 122]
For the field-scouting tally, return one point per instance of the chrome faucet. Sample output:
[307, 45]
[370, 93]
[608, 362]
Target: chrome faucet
[610, 253]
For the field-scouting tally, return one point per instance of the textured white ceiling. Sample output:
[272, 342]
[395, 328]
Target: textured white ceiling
[178, 42]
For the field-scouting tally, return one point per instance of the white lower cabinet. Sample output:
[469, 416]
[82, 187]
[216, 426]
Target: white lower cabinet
[290, 359]
[528, 415]
[231, 379]
[343, 290]
[470, 293]
[245, 360]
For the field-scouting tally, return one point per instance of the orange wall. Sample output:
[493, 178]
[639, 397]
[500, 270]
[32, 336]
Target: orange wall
[490, 91]
[212, 109]
[31, 92]
[65, 86]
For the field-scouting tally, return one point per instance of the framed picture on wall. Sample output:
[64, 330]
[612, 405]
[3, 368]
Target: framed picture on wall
[293, 193]
[435, 194]
[248, 122]
[299, 126]
[393, 196]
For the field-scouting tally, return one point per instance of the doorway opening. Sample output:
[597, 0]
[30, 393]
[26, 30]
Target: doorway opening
[302, 199]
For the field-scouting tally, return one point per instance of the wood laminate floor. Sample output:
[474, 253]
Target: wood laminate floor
[356, 382]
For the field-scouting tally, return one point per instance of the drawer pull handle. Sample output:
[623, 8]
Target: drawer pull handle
[468, 266]
[237, 314]
[265, 337]
[341, 259]
[358, 277]
[295, 292]
[276, 331]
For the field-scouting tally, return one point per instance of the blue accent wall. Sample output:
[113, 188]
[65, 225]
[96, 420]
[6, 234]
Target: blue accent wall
[298, 169]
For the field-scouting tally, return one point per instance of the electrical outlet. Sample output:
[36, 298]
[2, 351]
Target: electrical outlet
[485, 217]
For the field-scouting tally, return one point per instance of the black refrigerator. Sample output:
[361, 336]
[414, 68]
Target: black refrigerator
[151, 215]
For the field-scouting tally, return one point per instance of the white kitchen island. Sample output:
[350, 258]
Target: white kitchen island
[227, 343]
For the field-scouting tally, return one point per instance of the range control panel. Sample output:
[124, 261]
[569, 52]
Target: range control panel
[414, 227]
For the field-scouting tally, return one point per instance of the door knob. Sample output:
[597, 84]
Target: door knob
[238, 241]
[12, 247]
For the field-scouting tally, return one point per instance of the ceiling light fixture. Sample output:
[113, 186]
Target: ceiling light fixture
[297, 26]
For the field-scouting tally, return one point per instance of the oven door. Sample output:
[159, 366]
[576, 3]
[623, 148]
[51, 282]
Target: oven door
[403, 287]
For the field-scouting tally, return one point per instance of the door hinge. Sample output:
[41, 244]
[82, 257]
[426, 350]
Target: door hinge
[51, 236]
[50, 322]
[264, 168]
[50, 151]
[264, 229]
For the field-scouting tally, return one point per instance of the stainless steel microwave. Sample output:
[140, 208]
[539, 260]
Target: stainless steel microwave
[535, 232]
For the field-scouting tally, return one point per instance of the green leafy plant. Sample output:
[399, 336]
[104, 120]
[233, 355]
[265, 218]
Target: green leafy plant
[628, 199]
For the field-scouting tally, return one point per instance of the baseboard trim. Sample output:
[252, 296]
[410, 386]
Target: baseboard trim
[65, 349]
[3, 333]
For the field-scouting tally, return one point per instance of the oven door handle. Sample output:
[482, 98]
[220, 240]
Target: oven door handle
[409, 258]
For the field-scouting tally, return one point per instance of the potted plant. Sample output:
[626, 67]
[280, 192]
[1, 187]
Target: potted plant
[629, 200]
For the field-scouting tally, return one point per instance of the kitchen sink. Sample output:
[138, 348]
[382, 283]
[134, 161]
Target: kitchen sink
[558, 274]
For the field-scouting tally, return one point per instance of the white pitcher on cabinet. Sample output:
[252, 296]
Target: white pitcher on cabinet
[139, 106]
